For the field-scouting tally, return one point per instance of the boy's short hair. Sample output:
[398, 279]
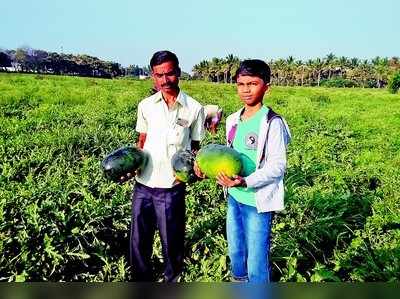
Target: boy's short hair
[163, 56]
[256, 68]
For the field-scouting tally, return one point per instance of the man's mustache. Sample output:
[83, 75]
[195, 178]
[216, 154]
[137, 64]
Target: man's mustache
[168, 85]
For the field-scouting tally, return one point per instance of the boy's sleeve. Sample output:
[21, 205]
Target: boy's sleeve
[141, 122]
[197, 127]
[275, 165]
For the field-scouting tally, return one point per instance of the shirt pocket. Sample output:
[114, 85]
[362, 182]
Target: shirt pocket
[177, 135]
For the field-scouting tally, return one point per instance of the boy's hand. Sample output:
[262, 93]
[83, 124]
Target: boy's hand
[226, 181]
[198, 172]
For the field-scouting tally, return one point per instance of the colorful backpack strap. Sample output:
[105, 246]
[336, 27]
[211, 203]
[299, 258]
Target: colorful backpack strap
[231, 134]
[232, 131]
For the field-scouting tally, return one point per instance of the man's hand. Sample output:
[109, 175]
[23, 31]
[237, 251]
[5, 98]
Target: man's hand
[198, 172]
[225, 181]
[125, 178]
[195, 146]
[128, 176]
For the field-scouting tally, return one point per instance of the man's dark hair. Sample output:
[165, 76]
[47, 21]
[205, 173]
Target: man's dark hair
[163, 56]
[254, 67]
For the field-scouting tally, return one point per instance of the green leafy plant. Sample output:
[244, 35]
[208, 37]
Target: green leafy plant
[394, 83]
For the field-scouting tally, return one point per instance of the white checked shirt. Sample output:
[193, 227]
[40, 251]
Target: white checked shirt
[168, 130]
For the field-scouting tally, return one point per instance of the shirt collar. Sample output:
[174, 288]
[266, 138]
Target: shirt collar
[181, 98]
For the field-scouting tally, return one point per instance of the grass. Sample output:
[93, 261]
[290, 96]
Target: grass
[60, 220]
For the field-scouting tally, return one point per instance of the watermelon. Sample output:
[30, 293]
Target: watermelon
[213, 159]
[124, 160]
[182, 164]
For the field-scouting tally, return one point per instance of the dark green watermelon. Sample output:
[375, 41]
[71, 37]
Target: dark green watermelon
[213, 159]
[122, 161]
[182, 164]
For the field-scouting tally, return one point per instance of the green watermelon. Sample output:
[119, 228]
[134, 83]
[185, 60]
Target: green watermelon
[122, 161]
[216, 158]
[182, 164]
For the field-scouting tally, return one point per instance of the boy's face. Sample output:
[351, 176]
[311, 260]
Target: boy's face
[251, 89]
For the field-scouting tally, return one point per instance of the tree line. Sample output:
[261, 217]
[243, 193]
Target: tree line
[328, 71]
[30, 60]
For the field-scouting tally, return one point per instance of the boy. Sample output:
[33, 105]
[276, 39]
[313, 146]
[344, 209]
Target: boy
[261, 137]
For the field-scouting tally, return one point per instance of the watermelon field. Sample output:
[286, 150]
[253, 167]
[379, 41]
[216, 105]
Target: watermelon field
[61, 220]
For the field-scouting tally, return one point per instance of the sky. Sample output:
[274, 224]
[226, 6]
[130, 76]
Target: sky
[129, 31]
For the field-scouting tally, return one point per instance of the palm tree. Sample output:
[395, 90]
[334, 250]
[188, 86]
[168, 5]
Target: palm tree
[380, 66]
[394, 63]
[330, 63]
[354, 62]
[197, 71]
[310, 66]
[216, 68]
[301, 69]
[231, 62]
[364, 72]
[318, 67]
[202, 70]
[290, 69]
[280, 70]
[235, 67]
[343, 63]
[225, 69]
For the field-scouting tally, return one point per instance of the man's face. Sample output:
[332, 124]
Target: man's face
[251, 89]
[166, 77]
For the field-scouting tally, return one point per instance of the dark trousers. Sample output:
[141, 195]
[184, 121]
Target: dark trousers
[162, 209]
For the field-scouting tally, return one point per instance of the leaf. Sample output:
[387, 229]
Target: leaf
[21, 277]
[82, 255]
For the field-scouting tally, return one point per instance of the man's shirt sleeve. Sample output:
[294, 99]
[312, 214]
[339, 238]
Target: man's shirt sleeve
[197, 127]
[141, 122]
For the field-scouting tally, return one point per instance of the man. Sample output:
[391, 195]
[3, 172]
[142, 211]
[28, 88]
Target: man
[212, 113]
[167, 121]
